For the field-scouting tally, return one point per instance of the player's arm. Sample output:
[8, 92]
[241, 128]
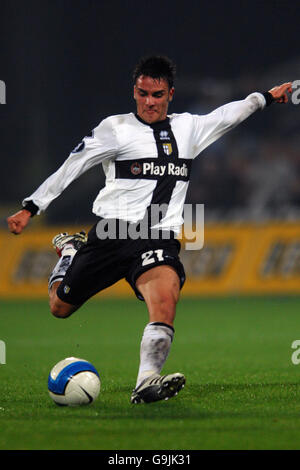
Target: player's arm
[94, 149]
[214, 125]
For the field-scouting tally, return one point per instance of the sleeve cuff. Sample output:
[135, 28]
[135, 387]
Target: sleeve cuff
[268, 97]
[31, 207]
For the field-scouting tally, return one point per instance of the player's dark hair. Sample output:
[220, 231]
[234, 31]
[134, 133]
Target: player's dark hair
[157, 67]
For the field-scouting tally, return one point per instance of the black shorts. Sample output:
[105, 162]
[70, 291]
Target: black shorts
[101, 263]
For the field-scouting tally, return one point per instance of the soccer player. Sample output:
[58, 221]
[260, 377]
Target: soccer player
[146, 157]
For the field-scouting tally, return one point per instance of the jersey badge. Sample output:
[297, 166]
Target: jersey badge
[167, 148]
[136, 168]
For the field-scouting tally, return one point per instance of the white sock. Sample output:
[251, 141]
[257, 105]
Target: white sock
[155, 347]
[62, 265]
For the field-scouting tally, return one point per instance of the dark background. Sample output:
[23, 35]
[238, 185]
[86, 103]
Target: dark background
[68, 63]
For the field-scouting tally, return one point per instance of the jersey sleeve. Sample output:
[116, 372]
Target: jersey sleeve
[212, 126]
[100, 145]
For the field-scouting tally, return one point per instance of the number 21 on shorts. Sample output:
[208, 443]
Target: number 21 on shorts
[152, 256]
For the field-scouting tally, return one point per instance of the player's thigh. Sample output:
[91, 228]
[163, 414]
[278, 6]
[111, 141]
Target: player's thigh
[152, 254]
[96, 266]
[160, 288]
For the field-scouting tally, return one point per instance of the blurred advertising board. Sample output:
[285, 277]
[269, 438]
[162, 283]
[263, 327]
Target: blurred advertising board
[235, 259]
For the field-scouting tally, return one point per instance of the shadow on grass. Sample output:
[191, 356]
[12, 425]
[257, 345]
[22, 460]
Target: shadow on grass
[245, 387]
[195, 402]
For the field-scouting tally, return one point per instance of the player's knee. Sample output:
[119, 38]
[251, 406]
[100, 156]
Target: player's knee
[60, 311]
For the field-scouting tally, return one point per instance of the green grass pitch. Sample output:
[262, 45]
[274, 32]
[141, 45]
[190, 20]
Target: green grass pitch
[242, 389]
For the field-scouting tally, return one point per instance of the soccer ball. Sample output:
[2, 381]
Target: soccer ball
[73, 382]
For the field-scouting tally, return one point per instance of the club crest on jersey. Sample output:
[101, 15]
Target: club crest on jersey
[136, 168]
[167, 148]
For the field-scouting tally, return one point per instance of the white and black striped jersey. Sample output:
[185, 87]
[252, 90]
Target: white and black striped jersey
[144, 164]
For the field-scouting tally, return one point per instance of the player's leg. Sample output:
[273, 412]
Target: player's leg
[87, 265]
[59, 308]
[160, 288]
[66, 247]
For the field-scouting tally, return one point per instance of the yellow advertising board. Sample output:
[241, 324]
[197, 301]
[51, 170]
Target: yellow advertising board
[241, 259]
[245, 259]
[27, 261]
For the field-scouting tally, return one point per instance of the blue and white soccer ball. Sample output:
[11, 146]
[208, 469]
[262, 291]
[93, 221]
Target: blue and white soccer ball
[73, 382]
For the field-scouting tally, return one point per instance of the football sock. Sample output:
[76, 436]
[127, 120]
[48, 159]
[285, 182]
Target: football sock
[154, 350]
[62, 265]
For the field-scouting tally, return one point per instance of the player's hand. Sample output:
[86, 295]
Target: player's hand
[279, 92]
[17, 222]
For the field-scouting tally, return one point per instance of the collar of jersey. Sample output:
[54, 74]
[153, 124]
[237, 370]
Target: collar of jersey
[155, 125]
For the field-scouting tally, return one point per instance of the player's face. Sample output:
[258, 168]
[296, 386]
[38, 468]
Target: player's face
[152, 98]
